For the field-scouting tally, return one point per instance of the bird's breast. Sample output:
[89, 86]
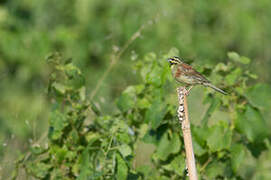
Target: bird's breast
[181, 76]
[178, 73]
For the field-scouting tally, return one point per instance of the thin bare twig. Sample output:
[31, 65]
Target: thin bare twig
[28, 154]
[184, 121]
[115, 57]
[205, 164]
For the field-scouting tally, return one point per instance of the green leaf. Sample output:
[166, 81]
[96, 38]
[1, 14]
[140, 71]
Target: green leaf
[168, 146]
[139, 88]
[233, 76]
[251, 124]
[54, 58]
[215, 169]
[144, 71]
[259, 96]
[36, 149]
[41, 170]
[131, 90]
[251, 75]
[91, 137]
[241, 59]
[59, 153]
[125, 150]
[177, 165]
[125, 102]
[84, 167]
[123, 137]
[244, 60]
[200, 134]
[150, 137]
[175, 143]
[58, 122]
[219, 138]
[143, 103]
[76, 82]
[156, 113]
[154, 77]
[95, 108]
[146, 170]
[163, 147]
[233, 56]
[122, 169]
[60, 88]
[82, 93]
[143, 130]
[237, 156]
[75, 79]
[74, 136]
[214, 103]
[221, 67]
[199, 150]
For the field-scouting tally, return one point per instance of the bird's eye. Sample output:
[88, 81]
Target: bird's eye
[172, 61]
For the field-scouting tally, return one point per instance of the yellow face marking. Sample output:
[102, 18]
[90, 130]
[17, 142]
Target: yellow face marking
[174, 60]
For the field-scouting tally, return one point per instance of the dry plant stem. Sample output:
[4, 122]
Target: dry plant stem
[184, 121]
[114, 60]
[115, 57]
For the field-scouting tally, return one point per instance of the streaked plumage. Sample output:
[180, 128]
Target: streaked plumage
[186, 75]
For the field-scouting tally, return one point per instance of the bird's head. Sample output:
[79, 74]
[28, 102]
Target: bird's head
[174, 60]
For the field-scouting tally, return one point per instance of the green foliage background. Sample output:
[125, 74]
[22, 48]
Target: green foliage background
[230, 133]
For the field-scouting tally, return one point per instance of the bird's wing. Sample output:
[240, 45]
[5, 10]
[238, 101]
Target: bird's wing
[189, 71]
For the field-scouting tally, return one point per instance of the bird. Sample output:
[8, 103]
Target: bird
[187, 76]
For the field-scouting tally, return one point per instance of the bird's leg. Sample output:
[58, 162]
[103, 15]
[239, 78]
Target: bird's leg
[188, 90]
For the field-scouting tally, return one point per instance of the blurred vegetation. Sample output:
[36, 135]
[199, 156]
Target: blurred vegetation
[92, 31]
[106, 146]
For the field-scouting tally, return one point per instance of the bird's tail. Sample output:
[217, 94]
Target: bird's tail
[215, 88]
